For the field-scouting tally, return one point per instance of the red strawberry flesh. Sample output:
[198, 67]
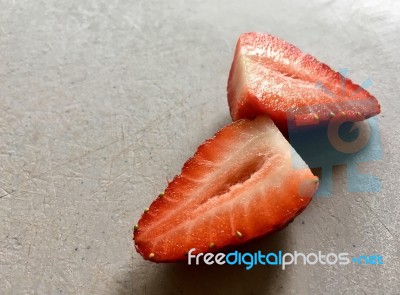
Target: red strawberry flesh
[271, 76]
[240, 184]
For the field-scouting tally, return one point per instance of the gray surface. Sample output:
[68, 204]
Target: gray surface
[101, 100]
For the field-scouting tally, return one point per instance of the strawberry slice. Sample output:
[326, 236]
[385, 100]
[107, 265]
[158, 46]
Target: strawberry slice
[271, 76]
[242, 183]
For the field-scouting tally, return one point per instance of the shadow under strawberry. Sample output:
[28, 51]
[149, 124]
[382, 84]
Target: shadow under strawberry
[181, 278]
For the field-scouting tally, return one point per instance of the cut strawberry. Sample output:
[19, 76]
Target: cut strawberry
[242, 183]
[271, 76]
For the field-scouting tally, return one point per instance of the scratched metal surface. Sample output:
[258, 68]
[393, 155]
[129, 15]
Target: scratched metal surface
[100, 101]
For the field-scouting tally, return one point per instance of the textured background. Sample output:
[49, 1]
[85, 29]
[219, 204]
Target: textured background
[100, 101]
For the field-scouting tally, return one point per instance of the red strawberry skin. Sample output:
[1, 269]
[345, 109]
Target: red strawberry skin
[239, 185]
[271, 76]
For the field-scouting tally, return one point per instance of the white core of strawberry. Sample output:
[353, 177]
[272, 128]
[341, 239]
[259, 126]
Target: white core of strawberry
[237, 82]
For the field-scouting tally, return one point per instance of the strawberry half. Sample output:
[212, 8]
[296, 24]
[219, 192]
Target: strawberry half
[240, 184]
[271, 76]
